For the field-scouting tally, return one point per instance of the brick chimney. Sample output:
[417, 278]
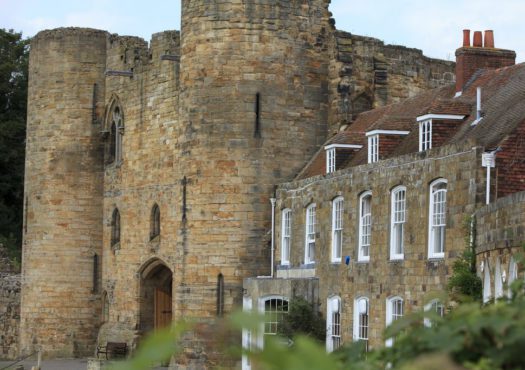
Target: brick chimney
[479, 56]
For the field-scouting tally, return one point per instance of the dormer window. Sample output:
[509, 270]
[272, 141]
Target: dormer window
[330, 160]
[338, 154]
[425, 135]
[390, 139]
[373, 149]
[440, 123]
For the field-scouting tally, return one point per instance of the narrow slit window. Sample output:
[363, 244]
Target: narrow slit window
[220, 295]
[257, 132]
[155, 222]
[115, 227]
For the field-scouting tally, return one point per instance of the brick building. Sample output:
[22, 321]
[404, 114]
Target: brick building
[370, 227]
[150, 168]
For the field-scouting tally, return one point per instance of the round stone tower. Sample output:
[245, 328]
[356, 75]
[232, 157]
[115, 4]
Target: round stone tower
[253, 105]
[63, 193]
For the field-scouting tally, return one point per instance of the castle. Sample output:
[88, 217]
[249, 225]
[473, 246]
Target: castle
[152, 171]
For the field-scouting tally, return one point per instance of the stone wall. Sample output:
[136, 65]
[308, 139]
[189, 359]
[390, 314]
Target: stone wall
[365, 73]
[213, 118]
[411, 278]
[500, 237]
[63, 192]
[9, 307]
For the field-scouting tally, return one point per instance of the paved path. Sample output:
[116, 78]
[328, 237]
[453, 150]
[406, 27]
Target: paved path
[72, 364]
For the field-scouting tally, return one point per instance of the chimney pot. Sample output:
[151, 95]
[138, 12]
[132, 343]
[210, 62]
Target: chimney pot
[466, 38]
[478, 39]
[489, 39]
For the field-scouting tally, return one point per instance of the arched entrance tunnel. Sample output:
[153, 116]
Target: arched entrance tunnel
[156, 297]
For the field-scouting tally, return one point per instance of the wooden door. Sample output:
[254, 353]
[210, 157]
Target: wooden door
[162, 309]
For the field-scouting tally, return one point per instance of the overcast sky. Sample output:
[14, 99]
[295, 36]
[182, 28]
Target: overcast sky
[431, 25]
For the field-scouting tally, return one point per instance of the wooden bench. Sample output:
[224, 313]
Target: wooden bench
[113, 349]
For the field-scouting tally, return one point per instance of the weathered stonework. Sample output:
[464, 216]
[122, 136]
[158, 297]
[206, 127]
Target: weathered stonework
[412, 278]
[9, 307]
[365, 73]
[213, 117]
[500, 236]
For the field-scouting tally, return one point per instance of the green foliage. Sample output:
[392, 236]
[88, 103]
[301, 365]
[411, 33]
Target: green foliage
[155, 349]
[303, 320]
[464, 281]
[14, 56]
[471, 336]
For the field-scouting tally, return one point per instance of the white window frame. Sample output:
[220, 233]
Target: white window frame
[437, 213]
[310, 222]
[361, 305]
[330, 160]
[247, 336]
[425, 135]
[498, 280]
[262, 311]
[286, 236]
[373, 148]
[397, 223]
[337, 229]
[365, 228]
[434, 306]
[333, 323]
[487, 288]
[513, 275]
[393, 312]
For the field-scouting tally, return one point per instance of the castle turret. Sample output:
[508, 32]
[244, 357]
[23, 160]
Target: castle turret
[63, 193]
[253, 109]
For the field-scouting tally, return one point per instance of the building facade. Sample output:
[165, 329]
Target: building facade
[376, 219]
[150, 169]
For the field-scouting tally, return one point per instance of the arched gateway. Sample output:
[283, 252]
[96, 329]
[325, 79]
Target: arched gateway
[155, 296]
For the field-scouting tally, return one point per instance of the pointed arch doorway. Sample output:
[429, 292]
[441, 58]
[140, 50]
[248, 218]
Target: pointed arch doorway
[155, 296]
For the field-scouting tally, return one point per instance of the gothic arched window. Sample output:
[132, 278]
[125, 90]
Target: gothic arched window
[116, 132]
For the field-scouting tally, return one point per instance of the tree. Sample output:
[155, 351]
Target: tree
[14, 56]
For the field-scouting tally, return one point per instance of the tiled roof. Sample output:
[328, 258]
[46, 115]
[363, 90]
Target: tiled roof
[503, 109]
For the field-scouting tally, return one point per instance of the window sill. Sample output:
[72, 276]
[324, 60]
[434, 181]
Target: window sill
[397, 259]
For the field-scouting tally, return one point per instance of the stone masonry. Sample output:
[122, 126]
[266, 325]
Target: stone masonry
[413, 277]
[212, 118]
[9, 307]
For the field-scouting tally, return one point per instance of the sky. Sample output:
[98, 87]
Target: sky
[434, 26]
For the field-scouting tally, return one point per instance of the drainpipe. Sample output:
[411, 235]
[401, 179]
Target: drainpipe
[272, 200]
[488, 160]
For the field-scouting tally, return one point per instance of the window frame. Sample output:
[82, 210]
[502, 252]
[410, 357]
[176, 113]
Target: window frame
[498, 280]
[358, 325]
[425, 135]
[513, 275]
[392, 314]
[487, 285]
[337, 229]
[373, 148]
[247, 335]
[333, 330]
[432, 254]
[310, 226]
[436, 308]
[363, 226]
[396, 223]
[286, 236]
[262, 311]
[330, 160]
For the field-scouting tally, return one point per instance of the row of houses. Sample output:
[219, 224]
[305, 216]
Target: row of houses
[369, 230]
